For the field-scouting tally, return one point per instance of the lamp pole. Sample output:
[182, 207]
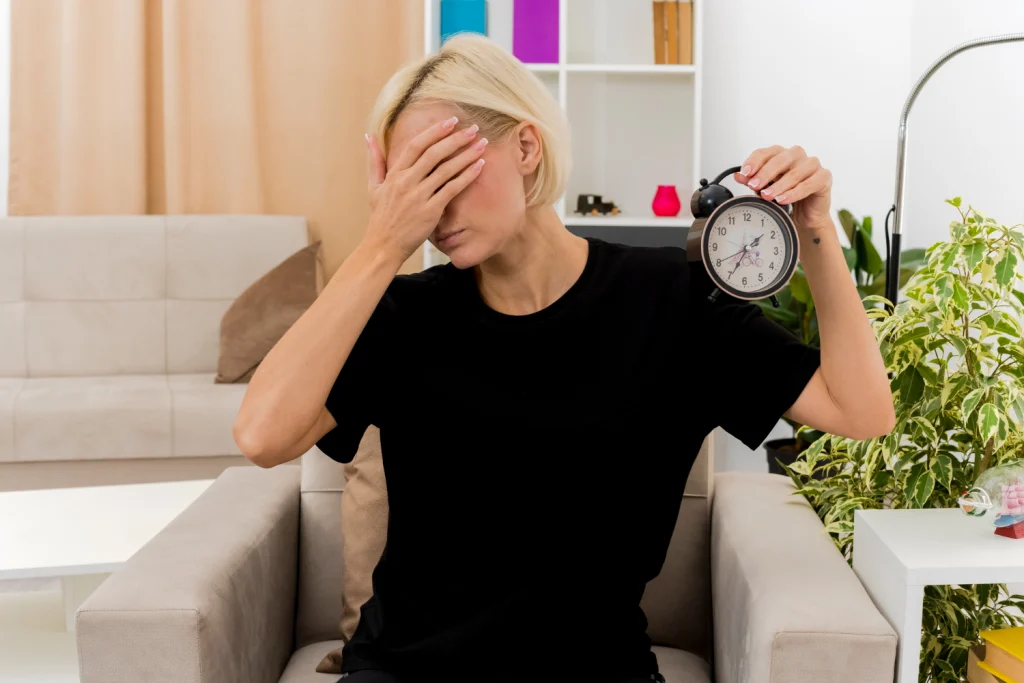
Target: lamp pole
[892, 276]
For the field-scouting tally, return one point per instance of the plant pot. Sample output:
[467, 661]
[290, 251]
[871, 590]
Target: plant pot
[786, 451]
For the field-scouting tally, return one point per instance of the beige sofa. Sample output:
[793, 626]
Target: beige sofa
[244, 587]
[109, 334]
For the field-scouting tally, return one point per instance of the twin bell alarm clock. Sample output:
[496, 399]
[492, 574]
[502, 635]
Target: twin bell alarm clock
[748, 245]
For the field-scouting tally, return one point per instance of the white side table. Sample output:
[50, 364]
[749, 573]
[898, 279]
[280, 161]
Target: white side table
[896, 553]
[83, 534]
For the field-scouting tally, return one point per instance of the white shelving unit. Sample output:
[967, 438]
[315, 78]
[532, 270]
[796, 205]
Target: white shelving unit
[634, 124]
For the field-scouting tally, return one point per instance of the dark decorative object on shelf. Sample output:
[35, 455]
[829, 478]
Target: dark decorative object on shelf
[593, 205]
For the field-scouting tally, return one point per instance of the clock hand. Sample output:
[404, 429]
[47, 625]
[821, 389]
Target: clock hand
[738, 264]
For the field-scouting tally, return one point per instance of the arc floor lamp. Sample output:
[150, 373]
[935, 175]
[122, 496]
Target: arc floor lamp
[892, 277]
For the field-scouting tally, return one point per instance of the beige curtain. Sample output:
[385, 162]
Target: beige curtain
[202, 106]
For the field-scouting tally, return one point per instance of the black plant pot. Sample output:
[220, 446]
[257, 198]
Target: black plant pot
[786, 451]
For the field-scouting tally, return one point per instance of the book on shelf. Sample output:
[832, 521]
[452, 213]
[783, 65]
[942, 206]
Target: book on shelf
[1002, 656]
[673, 31]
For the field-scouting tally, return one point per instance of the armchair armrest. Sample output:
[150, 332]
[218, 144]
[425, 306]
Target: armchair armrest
[787, 607]
[210, 599]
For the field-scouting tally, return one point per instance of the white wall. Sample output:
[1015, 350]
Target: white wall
[833, 77]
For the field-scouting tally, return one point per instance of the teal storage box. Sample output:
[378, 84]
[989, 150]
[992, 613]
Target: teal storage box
[462, 16]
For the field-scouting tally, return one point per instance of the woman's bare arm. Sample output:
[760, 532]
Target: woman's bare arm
[283, 412]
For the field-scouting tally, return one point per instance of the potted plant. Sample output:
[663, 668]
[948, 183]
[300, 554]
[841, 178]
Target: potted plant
[796, 312]
[955, 351]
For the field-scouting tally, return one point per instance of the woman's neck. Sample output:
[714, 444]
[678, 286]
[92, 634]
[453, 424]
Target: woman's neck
[535, 268]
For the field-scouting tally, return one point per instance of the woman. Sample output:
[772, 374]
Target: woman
[540, 399]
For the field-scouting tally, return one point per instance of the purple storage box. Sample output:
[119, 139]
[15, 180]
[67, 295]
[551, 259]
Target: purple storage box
[535, 31]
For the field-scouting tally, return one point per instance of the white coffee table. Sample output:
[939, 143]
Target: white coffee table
[896, 553]
[82, 535]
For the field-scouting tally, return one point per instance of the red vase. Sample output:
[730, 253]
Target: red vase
[666, 201]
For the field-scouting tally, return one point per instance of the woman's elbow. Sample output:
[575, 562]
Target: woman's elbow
[873, 422]
[254, 444]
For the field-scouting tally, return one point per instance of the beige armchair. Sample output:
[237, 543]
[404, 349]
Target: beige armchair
[245, 587]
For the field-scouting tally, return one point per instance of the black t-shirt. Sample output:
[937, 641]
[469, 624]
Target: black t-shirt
[535, 464]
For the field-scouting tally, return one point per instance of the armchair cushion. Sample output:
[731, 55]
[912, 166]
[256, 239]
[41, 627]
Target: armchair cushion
[210, 599]
[788, 607]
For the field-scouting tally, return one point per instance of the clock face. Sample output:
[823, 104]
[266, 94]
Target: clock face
[749, 248]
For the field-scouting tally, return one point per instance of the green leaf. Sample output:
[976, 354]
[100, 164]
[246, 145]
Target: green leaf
[865, 225]
[942, 468]
[848, 222]
[917, 333]
[988, 422]
[960, 297]
[798, 286]
[920, 484]
[851, 257]
[926, 429]
[973, 253]
[1006, 269]
[911, 385]
[944, 289]
[955, 201]
[971, 402]
[867, 255]
[950, 257]
[1018, 408]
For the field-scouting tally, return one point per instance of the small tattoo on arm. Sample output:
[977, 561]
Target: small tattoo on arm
[817, 240]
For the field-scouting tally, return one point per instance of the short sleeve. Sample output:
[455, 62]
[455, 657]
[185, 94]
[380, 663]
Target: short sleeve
[756, 368]
[355, 399]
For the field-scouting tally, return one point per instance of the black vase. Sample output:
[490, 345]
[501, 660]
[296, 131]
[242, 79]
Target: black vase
[784, 450]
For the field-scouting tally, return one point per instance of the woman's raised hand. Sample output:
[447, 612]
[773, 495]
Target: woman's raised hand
[407, 200]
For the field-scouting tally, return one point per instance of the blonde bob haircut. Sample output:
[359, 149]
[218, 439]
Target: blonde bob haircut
[492, 89]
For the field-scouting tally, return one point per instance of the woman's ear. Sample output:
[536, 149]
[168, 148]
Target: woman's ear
[529, 147]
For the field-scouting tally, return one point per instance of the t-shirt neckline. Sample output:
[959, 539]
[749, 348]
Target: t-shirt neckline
[490, 315]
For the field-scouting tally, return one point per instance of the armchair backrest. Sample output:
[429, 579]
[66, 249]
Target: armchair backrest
[677, 602]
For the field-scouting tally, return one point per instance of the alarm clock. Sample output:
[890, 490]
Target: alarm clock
[748, 245]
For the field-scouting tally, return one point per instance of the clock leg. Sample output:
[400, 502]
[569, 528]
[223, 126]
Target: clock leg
[775, 301]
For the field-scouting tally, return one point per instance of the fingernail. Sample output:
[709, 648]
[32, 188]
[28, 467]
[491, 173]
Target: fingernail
[480, 144]
[480, 163]
[450, 123]
[745, 170]
[766, 193]
[754, 183]
[471, 131]
[367, 136]
[781, 198]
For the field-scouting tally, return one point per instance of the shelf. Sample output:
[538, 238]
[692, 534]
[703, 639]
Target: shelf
[543, 68]
[632, 68]
[638, 221]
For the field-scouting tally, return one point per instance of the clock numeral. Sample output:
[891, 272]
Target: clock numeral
[744, 281]
[762, 222]
[772, 235]
[760, 277]
[732, 220]
[772, 265]
[776, 251]
[746, 216]
[714, 246]
[718, 263]
[721, 229]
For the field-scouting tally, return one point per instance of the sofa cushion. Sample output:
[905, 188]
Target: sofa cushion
[261, 314]
[677, 666]
[12, 260]
[118, 416]
[204, 414]
[302, 666]
[12, 340]
[9, 390]
[95, 258]
[89, 418]
[680, 666]
[90, 338]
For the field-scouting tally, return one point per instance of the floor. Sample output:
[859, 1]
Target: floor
[34, 647]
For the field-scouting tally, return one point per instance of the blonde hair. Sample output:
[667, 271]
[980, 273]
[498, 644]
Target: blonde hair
[495, 91]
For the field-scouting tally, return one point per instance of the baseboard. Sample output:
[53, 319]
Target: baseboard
[19, 476]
